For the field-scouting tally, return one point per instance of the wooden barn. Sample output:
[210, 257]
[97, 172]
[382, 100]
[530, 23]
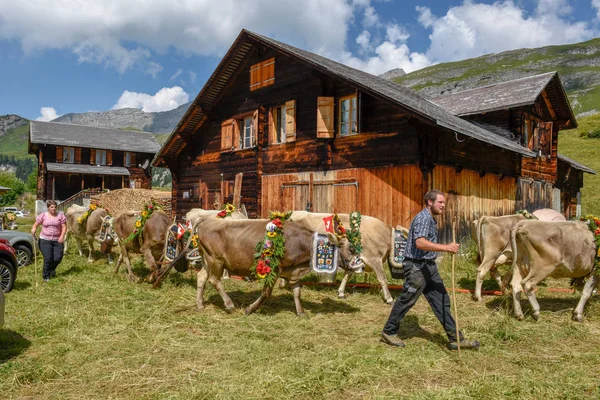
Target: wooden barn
[308, 133]
[72, 158]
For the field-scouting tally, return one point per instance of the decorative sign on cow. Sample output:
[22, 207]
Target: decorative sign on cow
[399, 240]
[324, 258]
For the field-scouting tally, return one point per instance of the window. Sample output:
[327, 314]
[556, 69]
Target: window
[127, 159]
[240, 132]
[68, 155]
[101, 157]
[262, 74]
[279, 121]
[282, 123]
[247, 136]
[347, 118]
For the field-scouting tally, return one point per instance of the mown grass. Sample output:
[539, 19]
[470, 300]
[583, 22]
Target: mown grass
[91, 334]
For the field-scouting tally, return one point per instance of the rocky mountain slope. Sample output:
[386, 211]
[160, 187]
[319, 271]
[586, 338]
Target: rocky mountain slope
[577, 64]
[155, 122]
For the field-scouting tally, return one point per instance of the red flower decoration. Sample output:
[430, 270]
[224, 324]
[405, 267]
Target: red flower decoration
[222, 214]
[150, 207]
[597, 231]
[278, 223]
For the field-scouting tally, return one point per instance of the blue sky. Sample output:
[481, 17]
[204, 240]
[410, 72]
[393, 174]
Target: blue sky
[72, 56]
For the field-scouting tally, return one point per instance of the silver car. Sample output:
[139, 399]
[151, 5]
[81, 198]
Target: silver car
[22, 242]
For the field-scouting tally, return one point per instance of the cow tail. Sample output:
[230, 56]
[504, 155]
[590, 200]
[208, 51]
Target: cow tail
[513, 244]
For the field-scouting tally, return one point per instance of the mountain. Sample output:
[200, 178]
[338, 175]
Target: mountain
[155, 122]
[577, 64]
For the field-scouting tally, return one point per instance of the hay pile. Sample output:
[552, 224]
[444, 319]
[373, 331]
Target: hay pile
[121, 200]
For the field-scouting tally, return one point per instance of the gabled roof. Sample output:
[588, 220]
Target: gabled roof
[575, 164]
[91, 137]
[378, 87]
[511, 94]
[87, 169]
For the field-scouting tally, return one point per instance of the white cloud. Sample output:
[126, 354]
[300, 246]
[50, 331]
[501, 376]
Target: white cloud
[129, 34]
[364, 41]
[164, 100]
[387, 56]
[596, 5]
[47, 114]
[176, 74]
[193, 77]
[370, 17]
[473, 29]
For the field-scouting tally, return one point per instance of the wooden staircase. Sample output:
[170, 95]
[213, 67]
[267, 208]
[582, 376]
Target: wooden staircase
[78, 198]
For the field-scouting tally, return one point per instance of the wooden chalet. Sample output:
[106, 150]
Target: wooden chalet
[308, 133]
[72, 158]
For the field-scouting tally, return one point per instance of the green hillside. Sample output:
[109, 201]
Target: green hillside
[576, 145]
[14, 142]
[577, 64]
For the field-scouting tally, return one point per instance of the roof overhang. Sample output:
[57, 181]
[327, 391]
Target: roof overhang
[87, 169]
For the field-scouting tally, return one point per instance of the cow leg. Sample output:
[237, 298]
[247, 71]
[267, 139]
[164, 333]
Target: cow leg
[79, 242]
[90, 250]
[497, 277]
[216, 282]
[377, 267]
[200, 284]
[109, 255]
[66, 242]
[535, 276]
[482, 270]
[147, 252]
[588, 289]
[266, 292]
[299, 310]
[342, 288]
[125, 256]
[516, 292]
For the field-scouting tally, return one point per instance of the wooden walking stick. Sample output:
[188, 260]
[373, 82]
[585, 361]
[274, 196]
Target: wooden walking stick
[454, 291]
[35, 260]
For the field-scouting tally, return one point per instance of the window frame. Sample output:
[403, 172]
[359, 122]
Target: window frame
[279, 116]
[353, 115]
[242, 130]
[68, 155]
[101, 157]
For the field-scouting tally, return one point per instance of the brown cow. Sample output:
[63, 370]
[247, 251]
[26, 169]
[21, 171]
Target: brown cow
[376, 244]
[492, 235]
[230, 244]
[88, 232]
[556, 249]
[152, 243]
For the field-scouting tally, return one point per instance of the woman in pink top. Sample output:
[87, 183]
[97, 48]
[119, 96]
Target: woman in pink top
[52, 237]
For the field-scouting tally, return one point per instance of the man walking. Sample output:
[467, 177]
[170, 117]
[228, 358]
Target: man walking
[421, 276]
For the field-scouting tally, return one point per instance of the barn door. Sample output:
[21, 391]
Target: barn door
[335, 197]
[295, 196]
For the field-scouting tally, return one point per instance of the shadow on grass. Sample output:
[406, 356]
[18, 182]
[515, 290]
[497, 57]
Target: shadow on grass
[557, 305]
[281, 303]
[409, 328]
[13, 344]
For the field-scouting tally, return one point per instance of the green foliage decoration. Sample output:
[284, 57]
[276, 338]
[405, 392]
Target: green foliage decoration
[271, 250]
[353, 233]
[146, 213]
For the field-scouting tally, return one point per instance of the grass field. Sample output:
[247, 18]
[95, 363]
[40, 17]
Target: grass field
[91, 334]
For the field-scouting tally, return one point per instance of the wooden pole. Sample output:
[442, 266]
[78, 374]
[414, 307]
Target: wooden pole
[454, 291]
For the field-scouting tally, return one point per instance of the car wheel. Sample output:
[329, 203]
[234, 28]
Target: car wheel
[7, 275]
[23, 255]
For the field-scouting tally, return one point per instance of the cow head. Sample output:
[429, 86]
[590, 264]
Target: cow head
[350, 261]
[107, 235]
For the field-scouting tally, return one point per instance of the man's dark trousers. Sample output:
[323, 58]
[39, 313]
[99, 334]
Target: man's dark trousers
[422, 276]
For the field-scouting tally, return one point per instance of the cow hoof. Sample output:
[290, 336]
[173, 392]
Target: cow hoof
[230, 310]
[577, 318]
[133, 278]
[519, 317]
[247, 311]
[342, 295]
[200, 308]
[90, 260]
[389, 302]
[536, 315]
[302, 315]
